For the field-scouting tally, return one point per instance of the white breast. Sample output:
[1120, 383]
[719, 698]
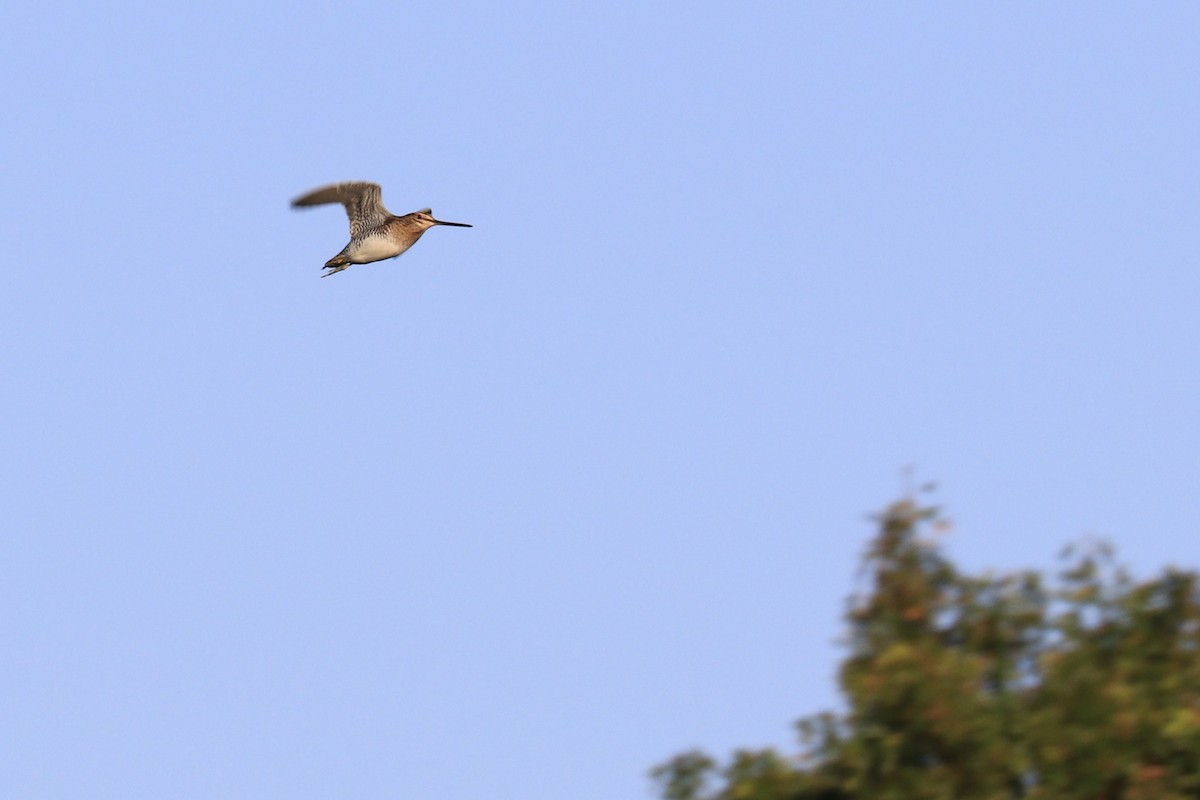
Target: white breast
[375, 248]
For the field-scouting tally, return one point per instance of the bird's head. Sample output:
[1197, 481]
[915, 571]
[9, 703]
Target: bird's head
[425, 219]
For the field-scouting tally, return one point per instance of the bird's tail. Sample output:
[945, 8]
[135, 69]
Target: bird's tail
[336, 265]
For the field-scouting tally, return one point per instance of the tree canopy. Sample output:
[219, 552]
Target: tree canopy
[962, 687]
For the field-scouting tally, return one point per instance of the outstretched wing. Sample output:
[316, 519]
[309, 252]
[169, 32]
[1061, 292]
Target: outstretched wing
[363, 202]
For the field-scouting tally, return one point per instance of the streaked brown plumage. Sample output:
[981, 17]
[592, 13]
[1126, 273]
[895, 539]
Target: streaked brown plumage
[375, 233]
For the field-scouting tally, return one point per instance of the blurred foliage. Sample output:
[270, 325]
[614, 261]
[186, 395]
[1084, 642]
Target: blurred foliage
[964, 688]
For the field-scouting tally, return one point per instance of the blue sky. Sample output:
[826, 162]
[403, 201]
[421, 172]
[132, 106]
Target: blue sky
[548, 500]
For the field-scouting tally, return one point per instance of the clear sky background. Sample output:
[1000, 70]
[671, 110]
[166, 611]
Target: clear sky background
[546, 501]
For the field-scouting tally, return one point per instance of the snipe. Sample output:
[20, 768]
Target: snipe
[375, 233]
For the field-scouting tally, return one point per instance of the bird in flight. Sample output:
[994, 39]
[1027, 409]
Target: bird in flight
[375, 233]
